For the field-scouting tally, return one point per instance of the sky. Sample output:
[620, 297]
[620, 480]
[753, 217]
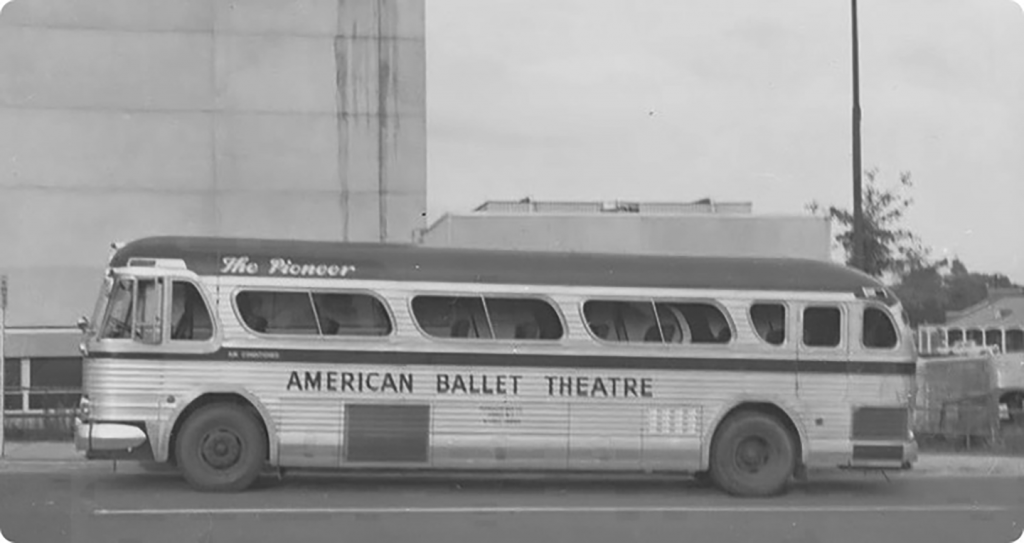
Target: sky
[735, 100]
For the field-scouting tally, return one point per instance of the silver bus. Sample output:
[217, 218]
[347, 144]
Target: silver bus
[228, 357]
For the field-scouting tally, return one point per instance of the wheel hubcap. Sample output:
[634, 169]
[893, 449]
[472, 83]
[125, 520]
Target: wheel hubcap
[221, 449]
[752, 454]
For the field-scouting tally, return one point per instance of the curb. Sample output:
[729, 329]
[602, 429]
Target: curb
[51, 457]
[132, 467]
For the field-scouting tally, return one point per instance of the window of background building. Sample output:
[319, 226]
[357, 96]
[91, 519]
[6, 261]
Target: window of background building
[1014, 341]
[994, 337]
[769, 320]
[55, 373]
[12, 384]
[822, 326]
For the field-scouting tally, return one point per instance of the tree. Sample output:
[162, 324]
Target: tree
[929, 292]
[924, 294]
[889, 248]
[965, 288]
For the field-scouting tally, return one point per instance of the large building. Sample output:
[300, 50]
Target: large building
[704, 227]
[267, 118]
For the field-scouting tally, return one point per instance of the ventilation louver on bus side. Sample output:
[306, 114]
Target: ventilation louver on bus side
[880, 424]
[387, 433]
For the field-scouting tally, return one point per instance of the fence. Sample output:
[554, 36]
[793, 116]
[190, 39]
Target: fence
[957, 406]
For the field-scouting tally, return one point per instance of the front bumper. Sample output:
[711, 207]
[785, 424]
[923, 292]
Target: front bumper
[888, 455]
[108, 436]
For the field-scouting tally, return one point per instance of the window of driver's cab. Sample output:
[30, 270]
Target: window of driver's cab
[138, 307]
[135, 310]
[189, 316]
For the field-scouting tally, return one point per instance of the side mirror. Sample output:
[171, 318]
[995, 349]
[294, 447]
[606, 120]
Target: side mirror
[83, 324]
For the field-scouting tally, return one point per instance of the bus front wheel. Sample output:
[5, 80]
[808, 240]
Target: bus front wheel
[752, 455]
[221, 448]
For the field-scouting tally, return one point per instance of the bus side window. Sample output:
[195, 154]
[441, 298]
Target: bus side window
[769, 322]
[343, 314]
[699, 322]
[624, 322]
[286, 313]
[190, 318]
[451, 316]
[822, 327]
[523, 318]
[879, 332]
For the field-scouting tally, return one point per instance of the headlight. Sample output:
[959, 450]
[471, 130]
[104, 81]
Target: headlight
[84, 407]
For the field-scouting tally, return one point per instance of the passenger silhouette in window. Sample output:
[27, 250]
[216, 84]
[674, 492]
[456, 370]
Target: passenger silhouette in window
[667, 335]
[250, 308]
[600, 330]
[336, 314]
[527, 330]
[461, 328]
[769, 321]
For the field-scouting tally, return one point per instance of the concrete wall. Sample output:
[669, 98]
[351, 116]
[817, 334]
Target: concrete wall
[126, 118]
[697, 234]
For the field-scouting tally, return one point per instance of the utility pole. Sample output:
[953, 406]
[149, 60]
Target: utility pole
[3, 331]
[858, 215]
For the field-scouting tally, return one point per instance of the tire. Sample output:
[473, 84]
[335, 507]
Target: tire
[752, 455]
[702, 479]
[221, 448]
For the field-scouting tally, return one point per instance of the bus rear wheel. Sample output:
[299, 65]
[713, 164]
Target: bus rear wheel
[221, 448]
[752, 455]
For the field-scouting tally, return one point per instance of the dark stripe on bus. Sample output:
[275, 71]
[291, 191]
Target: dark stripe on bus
[540, 361]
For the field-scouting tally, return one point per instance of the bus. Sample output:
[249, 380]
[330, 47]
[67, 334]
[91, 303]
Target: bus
[230, 358]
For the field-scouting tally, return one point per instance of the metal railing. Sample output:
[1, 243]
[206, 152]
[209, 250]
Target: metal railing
[26, 394]
[53, 422]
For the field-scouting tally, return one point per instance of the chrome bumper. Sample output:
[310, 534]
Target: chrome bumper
[900, 455]
[102, 436]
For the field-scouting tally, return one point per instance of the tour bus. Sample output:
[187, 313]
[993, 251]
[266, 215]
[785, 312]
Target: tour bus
[229, 358]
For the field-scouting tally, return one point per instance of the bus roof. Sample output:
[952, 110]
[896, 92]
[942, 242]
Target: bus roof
[407, 262]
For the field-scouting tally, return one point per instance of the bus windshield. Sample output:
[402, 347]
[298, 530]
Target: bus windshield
[133, 310]
[117, 323]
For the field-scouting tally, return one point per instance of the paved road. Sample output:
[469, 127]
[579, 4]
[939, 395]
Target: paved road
[94, 505]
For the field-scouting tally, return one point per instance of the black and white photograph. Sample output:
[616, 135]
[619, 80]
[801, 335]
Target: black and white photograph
[511, 271]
